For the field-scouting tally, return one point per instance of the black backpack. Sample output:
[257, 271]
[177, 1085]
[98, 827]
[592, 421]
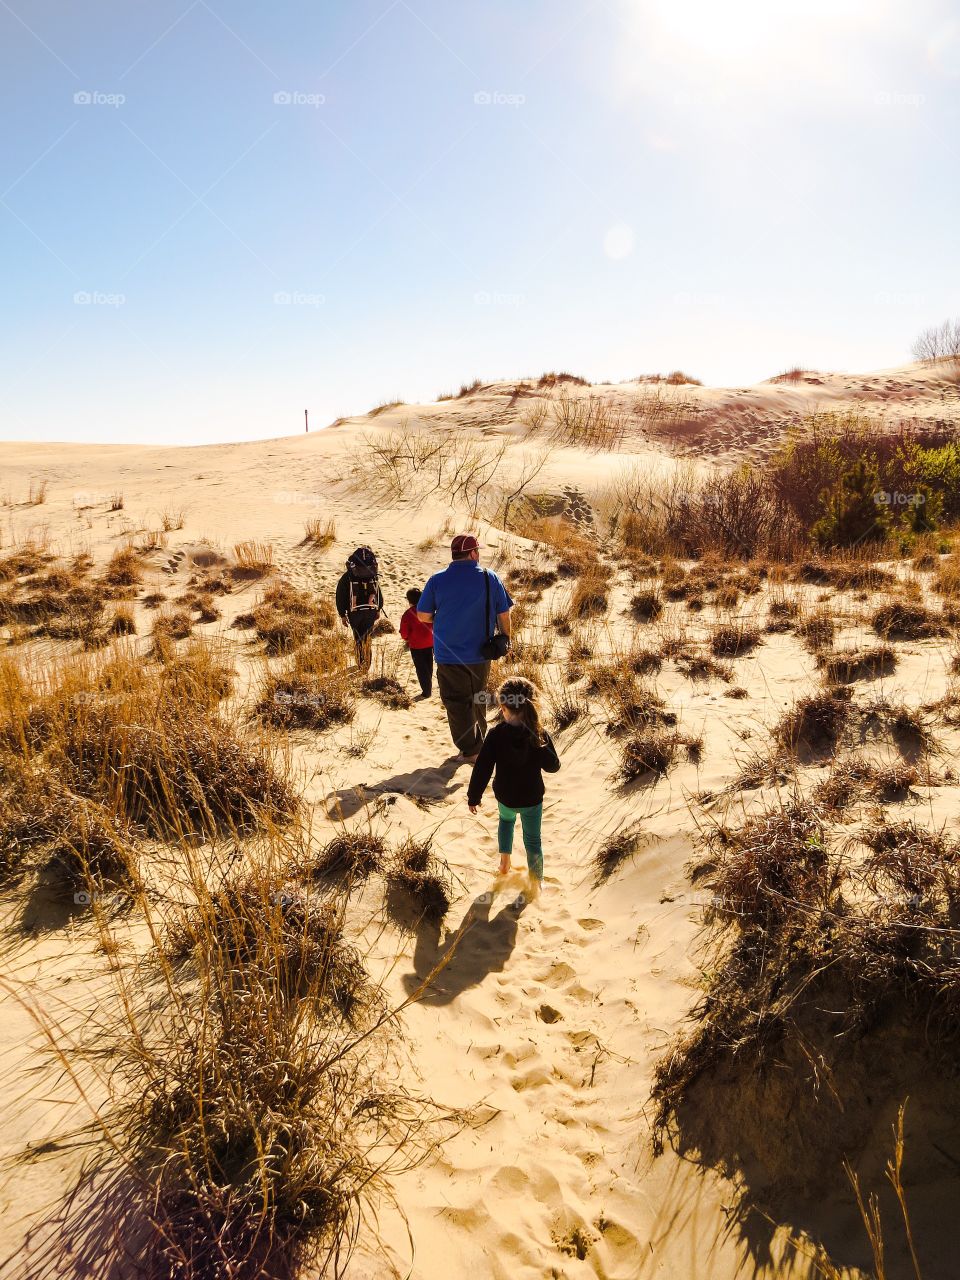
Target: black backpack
[363, 572]
[362, 565]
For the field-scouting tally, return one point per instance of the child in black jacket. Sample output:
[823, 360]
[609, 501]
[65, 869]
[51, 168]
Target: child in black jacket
[515, 752]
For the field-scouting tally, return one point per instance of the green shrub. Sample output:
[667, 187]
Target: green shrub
[852, 514]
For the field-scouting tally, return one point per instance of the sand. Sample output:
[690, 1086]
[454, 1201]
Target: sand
[547, 1023]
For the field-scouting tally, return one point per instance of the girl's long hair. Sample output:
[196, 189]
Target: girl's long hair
[522, 696]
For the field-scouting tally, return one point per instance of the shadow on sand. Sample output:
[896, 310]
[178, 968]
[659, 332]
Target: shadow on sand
[463, 957]
[423, 786]
[783, 1152]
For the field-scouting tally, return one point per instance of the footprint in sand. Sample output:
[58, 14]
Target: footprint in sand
[173, 564]
[561, 976]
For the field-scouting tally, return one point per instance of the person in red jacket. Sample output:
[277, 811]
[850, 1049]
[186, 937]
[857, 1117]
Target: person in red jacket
[419, 638]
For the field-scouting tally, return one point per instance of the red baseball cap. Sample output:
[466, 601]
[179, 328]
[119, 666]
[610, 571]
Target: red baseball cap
[464, 542]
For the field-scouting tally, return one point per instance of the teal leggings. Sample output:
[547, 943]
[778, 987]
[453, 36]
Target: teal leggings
[530, 819]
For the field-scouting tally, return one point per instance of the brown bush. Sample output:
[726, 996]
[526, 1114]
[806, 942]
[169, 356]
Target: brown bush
[907, 620]
[351, 856]
[286, 618]
[731, 639]
[816, 722]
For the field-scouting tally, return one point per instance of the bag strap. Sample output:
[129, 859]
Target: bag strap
[491, 625]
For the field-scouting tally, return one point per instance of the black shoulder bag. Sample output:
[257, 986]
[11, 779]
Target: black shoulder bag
[496, 645]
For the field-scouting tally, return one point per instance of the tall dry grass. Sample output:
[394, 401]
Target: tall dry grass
[252, 1115]
[254, 1118]
[119, 732]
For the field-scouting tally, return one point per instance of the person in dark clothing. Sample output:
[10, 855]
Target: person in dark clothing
[515, 753]
[360, 601]
[419, 638]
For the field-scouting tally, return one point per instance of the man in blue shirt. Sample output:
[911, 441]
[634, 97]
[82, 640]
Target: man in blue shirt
[455, 602]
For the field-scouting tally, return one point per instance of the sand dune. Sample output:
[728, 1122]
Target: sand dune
[546, 1023]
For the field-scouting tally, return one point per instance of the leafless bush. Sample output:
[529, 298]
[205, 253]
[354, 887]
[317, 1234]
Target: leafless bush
[458, 464]
[939, 342]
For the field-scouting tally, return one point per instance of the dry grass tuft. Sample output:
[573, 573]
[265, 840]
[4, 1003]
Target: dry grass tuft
[947, 581]
[61, 603]
[168, 627]
[858, 664]
[856, 778]
[566, 709]
[388, 691]
[817, 631]
[353, 856]
[257, 1118]
[820, 960]
[630, 704]
[124, 568]
[556, 379]
[122, 622]
[616, 849]
[254, 559]
[286, 617]
[419, 885]
[82, 846]
[201, 674]
[651, 752]
[906, 725]
[645, 606]
[320, 532]
[531, 581]
[300, 699]
[904, 620]
[171, 520]
[815, 723]
[589, 598]
[731, 639]
[289, 936]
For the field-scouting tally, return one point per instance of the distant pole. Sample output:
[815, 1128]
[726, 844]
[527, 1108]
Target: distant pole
[306, 420]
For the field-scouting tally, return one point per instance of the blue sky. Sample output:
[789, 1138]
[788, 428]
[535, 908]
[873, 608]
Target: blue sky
[213, 216]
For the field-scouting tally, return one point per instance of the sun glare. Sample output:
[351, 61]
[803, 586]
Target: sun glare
[741, 31]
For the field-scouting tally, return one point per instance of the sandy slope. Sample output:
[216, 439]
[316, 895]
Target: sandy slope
[727, 423]
[546, 1024]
